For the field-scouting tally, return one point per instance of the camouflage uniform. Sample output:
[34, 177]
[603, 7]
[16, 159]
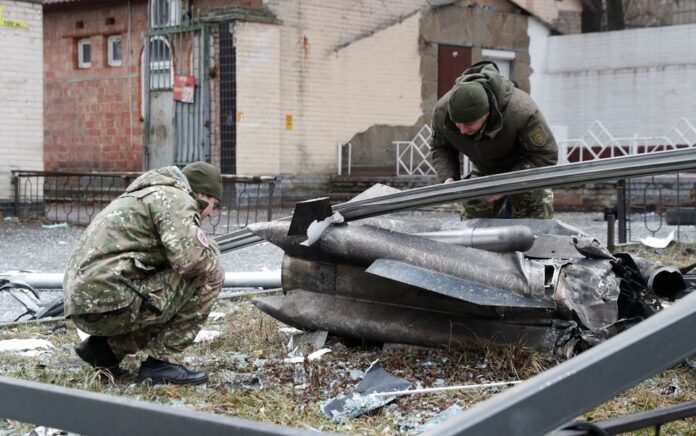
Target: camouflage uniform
[515, 137]
[150, 236]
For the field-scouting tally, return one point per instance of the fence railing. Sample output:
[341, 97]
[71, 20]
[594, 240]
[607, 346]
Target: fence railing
[596, 143]
[77, 197]
[412, 156]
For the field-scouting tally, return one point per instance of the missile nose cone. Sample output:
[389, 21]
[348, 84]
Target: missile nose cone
[275, 232]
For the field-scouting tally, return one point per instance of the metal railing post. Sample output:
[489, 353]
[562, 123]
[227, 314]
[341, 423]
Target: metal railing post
[271, 189]
[15, 181]
[621, 209]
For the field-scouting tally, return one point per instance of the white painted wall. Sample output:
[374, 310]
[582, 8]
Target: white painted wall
[21, 91]
[343, 67]
[637, 81]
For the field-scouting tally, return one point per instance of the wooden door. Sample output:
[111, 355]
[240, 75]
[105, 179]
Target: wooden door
[452, 60]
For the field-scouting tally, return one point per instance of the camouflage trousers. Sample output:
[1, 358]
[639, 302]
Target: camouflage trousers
[531, 204]
[185, 305]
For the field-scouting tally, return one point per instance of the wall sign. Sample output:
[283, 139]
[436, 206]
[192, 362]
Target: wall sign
[184, 88]
[17, 24]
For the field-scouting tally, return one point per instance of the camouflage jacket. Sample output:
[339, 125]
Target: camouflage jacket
[515, 136]
[153, 226]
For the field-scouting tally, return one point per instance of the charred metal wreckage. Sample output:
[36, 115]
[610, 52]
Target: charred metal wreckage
[538, 283]
[533, 282]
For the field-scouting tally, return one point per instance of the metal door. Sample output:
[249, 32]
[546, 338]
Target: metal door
[176, 104]
[452, 60]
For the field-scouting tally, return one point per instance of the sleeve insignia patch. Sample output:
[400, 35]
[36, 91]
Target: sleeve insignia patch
[537, 136]
[202, 238]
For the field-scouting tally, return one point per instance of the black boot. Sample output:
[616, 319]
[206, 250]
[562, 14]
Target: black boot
[159, 371]
[95, 351]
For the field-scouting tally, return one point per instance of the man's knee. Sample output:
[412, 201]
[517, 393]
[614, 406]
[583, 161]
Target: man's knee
[534, 204]
[477, 209]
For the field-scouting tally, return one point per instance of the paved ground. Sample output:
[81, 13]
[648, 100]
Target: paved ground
[31, 246]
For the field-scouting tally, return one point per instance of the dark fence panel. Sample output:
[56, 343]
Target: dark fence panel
[77, 197]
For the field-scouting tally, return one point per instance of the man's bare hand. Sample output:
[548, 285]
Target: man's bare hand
[493, 198]
[450, 180]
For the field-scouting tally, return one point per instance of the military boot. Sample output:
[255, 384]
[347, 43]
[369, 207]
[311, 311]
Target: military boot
[95, 350]
[158, 371]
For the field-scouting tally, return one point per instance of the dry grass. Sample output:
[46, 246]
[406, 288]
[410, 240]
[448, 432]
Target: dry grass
[252, 348]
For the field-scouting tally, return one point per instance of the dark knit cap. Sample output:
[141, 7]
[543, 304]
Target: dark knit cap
[204, 178]
[468, 102]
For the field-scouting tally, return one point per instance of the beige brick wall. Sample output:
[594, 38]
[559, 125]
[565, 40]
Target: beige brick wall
[21, 88]
[258, 98]
[341, 69]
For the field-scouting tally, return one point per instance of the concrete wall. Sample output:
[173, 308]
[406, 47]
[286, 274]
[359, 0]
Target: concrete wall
[21, 88]
[496, 25]
[563, 15]
[637, 81]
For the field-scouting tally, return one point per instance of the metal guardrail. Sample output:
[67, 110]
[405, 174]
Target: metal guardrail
[552, 398]
[641, 197]
[504, 183]
[76, 197]
[99, 414]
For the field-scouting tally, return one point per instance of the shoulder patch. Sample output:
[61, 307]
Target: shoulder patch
[202, 238]
[537, 135]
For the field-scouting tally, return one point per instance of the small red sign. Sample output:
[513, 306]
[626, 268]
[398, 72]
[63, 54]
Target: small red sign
[184, 88]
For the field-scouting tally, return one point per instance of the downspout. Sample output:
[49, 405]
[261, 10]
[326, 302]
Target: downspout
[130, 79]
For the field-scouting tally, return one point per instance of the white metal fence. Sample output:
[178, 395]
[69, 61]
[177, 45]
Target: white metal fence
[412, 156]
[597, 143]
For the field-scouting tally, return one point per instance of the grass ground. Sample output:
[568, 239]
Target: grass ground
[249, 378]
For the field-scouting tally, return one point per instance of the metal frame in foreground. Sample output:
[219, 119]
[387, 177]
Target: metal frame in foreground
[99, 414]
[556, 396]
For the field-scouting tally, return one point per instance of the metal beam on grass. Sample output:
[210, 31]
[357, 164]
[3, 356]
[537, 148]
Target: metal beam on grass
[558, 395]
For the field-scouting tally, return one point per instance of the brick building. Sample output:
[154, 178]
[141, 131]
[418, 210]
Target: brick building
[265, 87]
[21, 86]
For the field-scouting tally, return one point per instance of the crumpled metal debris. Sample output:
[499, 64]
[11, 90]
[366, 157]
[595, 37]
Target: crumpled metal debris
[359, 401]
[377, 283]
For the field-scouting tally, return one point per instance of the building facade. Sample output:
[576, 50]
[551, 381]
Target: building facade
[21, 87]
[266, 87]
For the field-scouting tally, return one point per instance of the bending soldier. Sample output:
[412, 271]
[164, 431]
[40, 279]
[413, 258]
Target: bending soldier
[145, 276]
[500, 129]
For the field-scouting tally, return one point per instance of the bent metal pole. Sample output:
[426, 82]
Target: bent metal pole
[507, 183]
[254, 279]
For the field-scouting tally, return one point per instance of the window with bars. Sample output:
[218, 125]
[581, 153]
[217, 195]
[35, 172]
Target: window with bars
[160, 63]
[165, 13]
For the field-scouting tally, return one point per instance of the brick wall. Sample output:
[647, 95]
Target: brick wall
[21, 110]
[333, 80]
[638, 81]
[258, 98]
[92, 115]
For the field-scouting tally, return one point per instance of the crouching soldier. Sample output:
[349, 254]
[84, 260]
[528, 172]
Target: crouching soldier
[144, 275]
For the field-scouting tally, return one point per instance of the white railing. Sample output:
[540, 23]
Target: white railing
[598, 143]
[412, 156]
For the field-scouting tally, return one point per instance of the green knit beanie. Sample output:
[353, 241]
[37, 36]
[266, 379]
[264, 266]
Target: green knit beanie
[468, 102]
[204, 178]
